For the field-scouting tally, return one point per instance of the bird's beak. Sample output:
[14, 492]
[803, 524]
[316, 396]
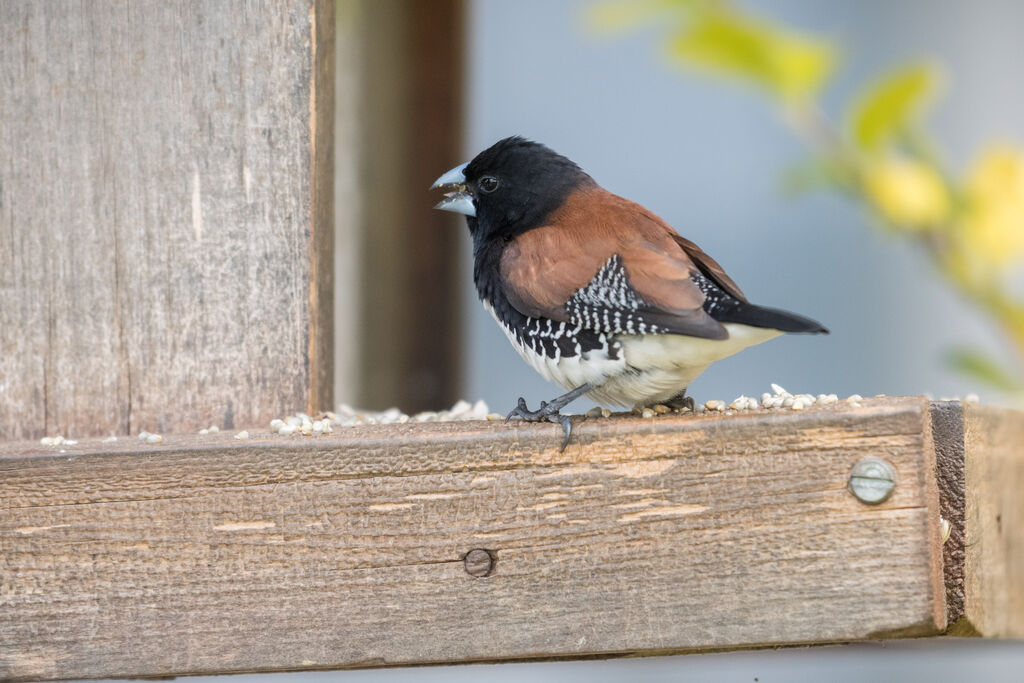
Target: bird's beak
[458, 199]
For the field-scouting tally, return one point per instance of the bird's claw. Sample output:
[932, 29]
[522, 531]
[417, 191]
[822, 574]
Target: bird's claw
[545, 412]
[682, 403]
[521, 410]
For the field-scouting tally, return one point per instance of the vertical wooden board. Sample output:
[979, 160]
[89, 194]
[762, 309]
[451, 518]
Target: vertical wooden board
[164, 222]
[412, 267]
[994, 525]
[644, 536]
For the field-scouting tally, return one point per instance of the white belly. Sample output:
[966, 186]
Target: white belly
[665, 364]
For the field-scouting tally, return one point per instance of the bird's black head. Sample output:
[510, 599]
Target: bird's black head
[510, 187]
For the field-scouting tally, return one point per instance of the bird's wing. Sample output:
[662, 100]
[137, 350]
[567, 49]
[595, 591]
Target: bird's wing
[709, 267]
[607, 265]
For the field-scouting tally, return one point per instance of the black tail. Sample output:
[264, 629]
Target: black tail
[773, 318]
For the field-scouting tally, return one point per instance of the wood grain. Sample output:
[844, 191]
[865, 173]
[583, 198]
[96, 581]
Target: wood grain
[165, 224]
[994, 524]
[207, 554]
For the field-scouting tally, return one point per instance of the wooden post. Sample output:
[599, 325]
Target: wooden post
[165, 214]
[480, 541]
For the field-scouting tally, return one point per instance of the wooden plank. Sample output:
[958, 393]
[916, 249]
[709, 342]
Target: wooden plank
[211, 555]
[994, 523]
[165, 220]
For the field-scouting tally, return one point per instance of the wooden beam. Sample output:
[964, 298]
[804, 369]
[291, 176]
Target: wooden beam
[165, 213]
[479, 541]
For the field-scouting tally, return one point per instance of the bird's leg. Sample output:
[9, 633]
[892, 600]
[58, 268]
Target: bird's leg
[681, 401]
[549, 410]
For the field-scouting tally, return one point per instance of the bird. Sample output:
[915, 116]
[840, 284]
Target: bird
[594, 291]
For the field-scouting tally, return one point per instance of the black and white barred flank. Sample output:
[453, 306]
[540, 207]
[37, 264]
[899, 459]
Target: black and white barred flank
[609, 304]
[559, 340]
[716, 300]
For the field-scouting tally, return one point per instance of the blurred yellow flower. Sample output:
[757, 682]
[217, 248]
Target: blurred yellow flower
[909, 193]
[993, 227]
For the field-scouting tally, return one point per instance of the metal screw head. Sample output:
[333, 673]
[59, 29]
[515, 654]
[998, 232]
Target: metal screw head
[478, 563]
[872, 481]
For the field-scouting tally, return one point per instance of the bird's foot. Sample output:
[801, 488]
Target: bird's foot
[682, 402]
[550, 411]
[547, 411]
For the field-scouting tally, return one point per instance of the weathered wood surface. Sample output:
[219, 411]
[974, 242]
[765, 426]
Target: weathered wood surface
[994, 523]
[165, 216]
[207, 554]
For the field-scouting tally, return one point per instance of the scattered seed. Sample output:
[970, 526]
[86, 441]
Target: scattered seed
[242, 435]
[593, 412]
[605, 412]
[494, 417]
[154, 438]
[971, 398]
[110, 439]
[287, 430]
[743, 403]
[661, 409]
[647, 412]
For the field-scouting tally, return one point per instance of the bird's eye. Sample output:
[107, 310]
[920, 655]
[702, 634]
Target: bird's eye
[488, 184]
